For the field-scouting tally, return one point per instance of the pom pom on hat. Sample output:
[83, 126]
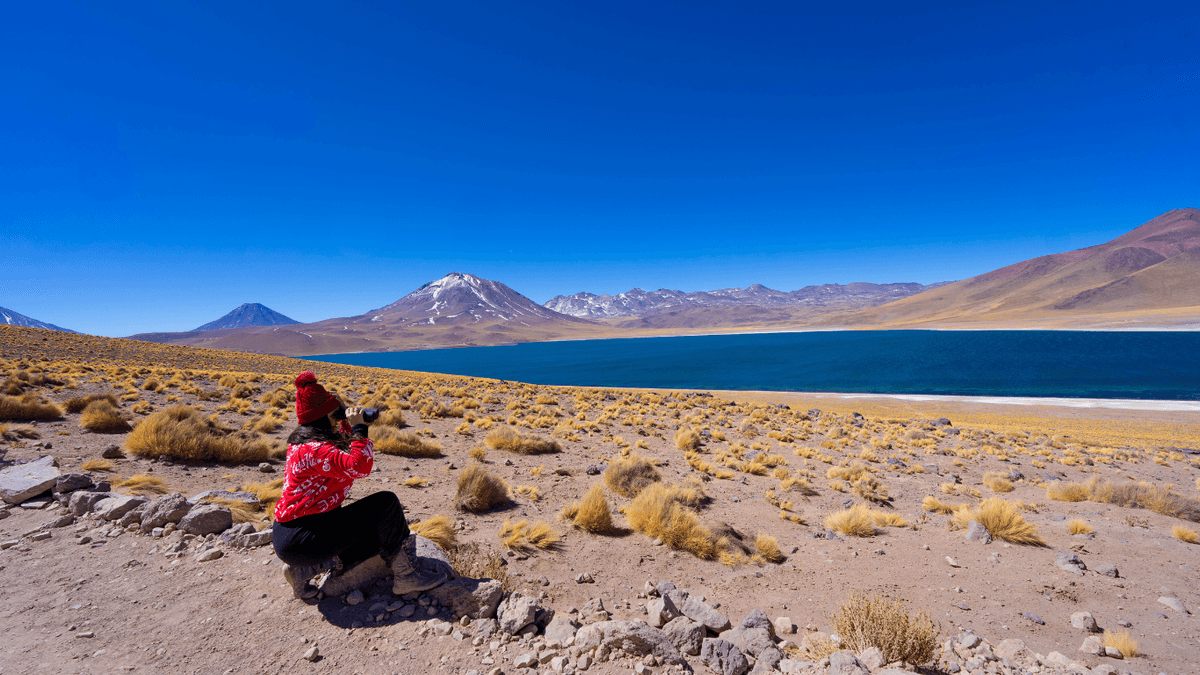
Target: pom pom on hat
[312, 401]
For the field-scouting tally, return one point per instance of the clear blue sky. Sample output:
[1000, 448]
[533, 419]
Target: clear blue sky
[163, 162]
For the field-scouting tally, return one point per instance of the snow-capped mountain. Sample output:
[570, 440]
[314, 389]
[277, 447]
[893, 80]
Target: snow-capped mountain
[638, 302]
[249, 314]
[16, 319]
[464, 298]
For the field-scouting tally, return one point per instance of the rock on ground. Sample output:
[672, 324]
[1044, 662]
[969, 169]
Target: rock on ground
[633, 638]
[687, 635]
[515, 612]
[474, 598]
[723, 657]
[165, 509]
[845, 662]
[21, 482]
[206, 519]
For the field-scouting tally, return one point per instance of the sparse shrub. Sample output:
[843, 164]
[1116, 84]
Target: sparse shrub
[662, 511]
[101, 417]
[1079, 527]
[997, 482]
[767, 548]
[1067, 492]
[870, 489]
[267, 493]
[181, 432]
[76, 405]
[627, 476]
[151, 384]
[438, 529]
[96, 465]
[687, 439]
[937, 506]
[855, 521]
[1185, 535]
[478, 454]
[242, 512]
[511, 440]
[874, 621]
[592, 513]
[1002, 519]
[522, 535]
[143, 484]
[1121, 641]
[389, 441]
[415, 482]
[479, 490]
[530, 492]
[473, 560]
[391, 418]
[888, 519]
[28, 407]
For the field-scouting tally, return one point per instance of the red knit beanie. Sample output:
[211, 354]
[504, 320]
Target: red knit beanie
[312, 401]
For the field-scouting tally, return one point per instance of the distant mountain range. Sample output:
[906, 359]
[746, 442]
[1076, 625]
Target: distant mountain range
[1146, 276]
[249, 314]
[16, 319]
[1149, 277]
[638, 302]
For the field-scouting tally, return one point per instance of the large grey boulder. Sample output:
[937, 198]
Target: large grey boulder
[687, 635]
[165, 509]
[723, 657]
[474, 598]
[83, 501]
[246, 497]
[70, 482]
[561, 631]
[206, 519]
[702, 613]
[632, 637]
[1011, 649]
[666, 607]
[117, 505]
[767, 661]
[132, 516]
[750, 640]
[845, 662]
[758, 619]
[515, 612]
[21, 482]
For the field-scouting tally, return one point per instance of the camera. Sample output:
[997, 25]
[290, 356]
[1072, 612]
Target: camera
[369, 414]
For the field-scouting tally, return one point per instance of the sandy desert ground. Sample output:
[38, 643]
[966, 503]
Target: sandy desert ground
[93, 597]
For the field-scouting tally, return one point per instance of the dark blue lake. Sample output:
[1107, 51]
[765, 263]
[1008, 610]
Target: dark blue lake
[1151, 365]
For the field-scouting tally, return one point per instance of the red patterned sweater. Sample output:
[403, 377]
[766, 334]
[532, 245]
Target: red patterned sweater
[319, 476]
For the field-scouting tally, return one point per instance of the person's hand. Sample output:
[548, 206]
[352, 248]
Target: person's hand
[354, 417]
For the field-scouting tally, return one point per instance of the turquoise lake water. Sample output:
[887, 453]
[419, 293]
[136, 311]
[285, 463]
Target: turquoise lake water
[1150, 365]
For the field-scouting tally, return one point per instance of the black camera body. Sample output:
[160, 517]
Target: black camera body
[369, 414]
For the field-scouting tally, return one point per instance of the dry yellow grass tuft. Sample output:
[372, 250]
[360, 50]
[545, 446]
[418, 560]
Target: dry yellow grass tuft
[936, 505]
[870, 489]
[103, 418]
[415, 482]
[1121, 641]
[267, 493]
[664, 512]
[874, 621]
[1185, 535]
[511, 440]
[28, 407]
[1078, 526]
[592, 513]
[242, 512]
[1002, 519]
[997, 482]
[76, 405]
[181, 432]
[479, 491]
[886, 519]
[856, 521]
[687, 439]
[522, 535]
[391, 418]
[478, 454]
[96, 465]
[143, 484]
[389, 441]
[530, 492]
[767, 548]
[438, 529]
[627, 476]
[1067, 492]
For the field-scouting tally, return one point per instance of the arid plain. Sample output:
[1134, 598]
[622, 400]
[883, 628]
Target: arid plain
[827, 503]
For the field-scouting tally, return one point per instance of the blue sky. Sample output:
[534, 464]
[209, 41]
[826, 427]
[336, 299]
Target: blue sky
[164, 162]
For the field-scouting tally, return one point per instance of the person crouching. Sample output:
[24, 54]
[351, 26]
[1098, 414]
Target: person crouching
[313, 532]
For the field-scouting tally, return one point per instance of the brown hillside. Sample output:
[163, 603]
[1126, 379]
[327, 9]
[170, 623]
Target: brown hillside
[1152, 268]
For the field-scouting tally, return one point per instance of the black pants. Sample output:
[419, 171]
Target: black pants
[372, 525]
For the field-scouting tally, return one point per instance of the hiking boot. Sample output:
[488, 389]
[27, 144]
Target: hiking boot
[360, 575]
[409, 579]
[298, 577]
